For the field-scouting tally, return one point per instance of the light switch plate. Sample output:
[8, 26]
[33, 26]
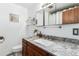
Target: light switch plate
[75, 31]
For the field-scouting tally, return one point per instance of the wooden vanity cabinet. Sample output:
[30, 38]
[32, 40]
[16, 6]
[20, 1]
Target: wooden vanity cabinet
[68, 17]
[32, 52]
[24, 48]
[76, 12]
[71, 16]
[29, 49]
[65, 16]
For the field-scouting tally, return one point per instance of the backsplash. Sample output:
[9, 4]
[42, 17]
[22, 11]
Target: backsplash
[65, 31]
[75, 41]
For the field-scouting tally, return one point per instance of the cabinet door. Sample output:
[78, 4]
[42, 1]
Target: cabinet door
[68, 16]
[65, 17]
[75, 15]
[32, 52]
[71, 17]
[24, 50]
[78, 14]
[39, 17]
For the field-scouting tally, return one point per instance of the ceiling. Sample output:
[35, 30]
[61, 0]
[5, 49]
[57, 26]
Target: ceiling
[28, 5]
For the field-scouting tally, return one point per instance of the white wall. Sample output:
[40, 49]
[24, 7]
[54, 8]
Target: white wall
[32, 10]
[12, 32]
[66, 31]
[31, 7]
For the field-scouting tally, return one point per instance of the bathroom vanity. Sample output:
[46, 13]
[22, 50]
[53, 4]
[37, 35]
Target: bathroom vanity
[56, 47]
[30, 49]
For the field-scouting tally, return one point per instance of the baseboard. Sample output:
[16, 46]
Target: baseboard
[11, 54]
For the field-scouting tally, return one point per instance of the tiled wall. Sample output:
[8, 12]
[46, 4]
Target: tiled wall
[65, 31]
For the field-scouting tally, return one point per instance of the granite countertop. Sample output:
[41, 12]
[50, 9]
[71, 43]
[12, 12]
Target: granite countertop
[58, 48]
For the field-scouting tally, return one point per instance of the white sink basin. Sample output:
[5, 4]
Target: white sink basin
[44, 42]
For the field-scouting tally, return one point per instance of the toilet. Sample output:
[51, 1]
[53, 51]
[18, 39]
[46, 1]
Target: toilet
[17, 50]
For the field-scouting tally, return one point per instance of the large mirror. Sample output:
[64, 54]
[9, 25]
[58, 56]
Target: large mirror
[58, 13]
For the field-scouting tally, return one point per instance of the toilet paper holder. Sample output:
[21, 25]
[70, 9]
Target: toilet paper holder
[1, 39]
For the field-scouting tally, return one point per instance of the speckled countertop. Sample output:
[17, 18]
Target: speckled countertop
[58, 48]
